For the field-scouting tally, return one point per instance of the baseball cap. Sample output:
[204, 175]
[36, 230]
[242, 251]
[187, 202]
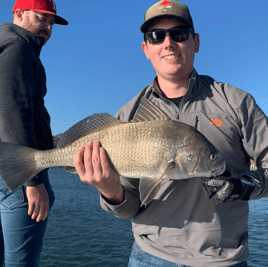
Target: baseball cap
[42, 6]
[167, 9]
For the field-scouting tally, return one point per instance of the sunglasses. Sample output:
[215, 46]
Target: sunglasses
[177, 34]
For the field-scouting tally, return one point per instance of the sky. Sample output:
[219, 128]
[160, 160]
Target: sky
[96, 64]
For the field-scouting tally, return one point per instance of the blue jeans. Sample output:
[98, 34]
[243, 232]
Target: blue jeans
[140, 258]
[21, 238]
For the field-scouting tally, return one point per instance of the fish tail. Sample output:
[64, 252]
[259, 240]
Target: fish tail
[17, 165]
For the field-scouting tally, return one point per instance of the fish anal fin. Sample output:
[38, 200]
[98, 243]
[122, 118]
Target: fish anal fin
[86, 126]
[147, 111]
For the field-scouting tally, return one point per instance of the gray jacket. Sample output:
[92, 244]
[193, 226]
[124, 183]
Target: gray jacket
[24, 119]
[181, 225]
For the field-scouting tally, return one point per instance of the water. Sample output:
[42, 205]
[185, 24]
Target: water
[258, 233]
[81, 234]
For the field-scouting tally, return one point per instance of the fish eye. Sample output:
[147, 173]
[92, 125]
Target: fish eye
[212, 156]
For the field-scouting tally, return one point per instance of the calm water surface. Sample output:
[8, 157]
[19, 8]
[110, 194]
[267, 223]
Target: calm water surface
[81, 234]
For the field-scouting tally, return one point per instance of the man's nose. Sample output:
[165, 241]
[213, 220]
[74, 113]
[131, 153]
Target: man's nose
[168, 40]
[48, 26]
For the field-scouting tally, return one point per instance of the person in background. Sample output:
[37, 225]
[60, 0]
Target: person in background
[24, 120]
[192, 222]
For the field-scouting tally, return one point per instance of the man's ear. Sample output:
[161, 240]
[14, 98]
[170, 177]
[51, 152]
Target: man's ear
[196, 43]
[145, 49]
[18, 15]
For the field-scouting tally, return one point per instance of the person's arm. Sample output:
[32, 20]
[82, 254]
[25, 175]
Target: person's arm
[232, 186]
[93, 168]
[18, 78]
[227, 187]
[255, 141]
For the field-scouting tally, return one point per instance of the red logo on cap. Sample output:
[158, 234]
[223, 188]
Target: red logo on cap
[165, 3]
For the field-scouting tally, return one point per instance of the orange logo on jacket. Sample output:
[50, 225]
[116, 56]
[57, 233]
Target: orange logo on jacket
[216, 122]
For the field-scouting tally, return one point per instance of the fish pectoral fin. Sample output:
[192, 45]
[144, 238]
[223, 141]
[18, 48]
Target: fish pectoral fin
[70, 169]
[149, 187]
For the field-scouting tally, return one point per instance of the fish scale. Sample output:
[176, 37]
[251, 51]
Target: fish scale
[129, 158]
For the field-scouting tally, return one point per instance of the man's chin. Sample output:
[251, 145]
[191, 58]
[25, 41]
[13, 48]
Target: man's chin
[46, 39]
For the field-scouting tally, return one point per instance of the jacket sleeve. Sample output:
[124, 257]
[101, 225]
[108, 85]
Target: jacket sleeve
[18, 79]
[255, 141]
[131, 205]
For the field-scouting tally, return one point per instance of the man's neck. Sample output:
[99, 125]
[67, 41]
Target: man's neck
[173, 89]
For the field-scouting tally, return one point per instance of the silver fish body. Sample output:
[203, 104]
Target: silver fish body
[151, 147]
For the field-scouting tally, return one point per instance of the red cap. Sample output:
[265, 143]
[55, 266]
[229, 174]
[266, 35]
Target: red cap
[42, 6]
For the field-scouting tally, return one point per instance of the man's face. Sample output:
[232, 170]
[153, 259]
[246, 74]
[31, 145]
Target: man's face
[38, 23]
[171, 59]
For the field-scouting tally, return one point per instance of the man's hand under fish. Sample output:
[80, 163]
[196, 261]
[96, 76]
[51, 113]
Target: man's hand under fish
[93, 167]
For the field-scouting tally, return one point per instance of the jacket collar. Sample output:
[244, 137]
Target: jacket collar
[34, 40]
[191, 87]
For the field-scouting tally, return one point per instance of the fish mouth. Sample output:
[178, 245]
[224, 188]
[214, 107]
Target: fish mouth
[219, 171]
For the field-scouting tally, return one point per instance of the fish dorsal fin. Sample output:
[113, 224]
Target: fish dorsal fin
[86, 126]
[147, 111]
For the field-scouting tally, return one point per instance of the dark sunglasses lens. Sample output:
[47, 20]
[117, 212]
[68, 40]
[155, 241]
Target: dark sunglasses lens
[179, 35]
[157, 36]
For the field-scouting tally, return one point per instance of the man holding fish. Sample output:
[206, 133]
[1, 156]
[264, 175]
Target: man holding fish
[200, 221]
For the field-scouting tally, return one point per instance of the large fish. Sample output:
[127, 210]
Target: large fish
[151, 147]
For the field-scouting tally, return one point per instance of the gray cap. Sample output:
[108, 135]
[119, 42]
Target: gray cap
[167, 9]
